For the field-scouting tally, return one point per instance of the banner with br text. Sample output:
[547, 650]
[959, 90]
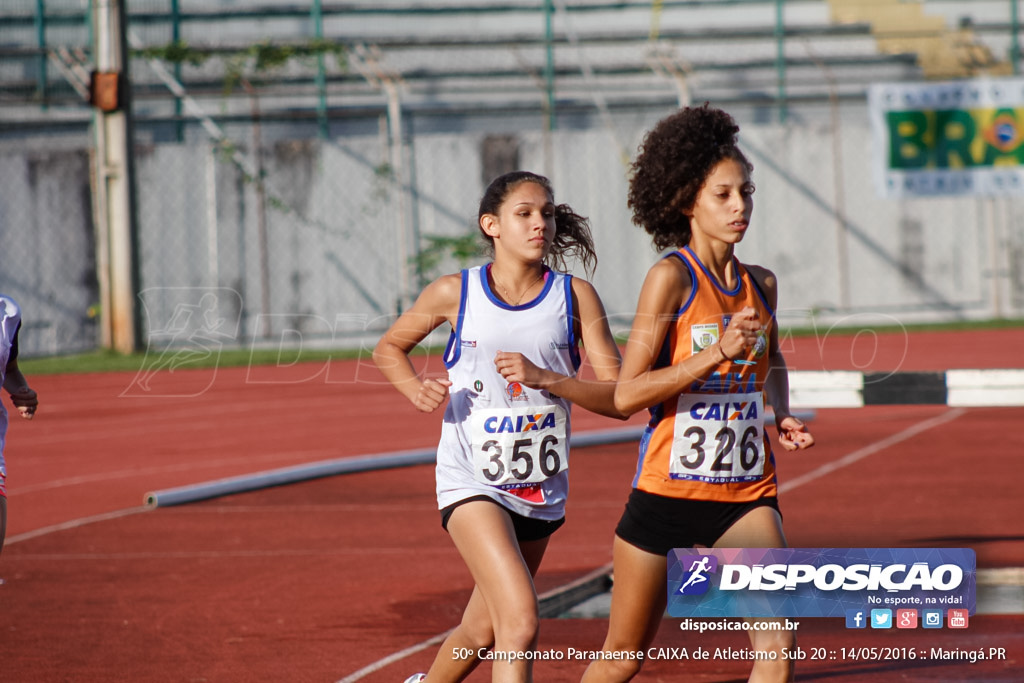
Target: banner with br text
[948, 138]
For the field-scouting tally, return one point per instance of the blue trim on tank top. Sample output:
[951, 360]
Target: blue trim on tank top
[574, 349]
[760, 294]
[645, 441]
[549, 280]
[715, 282]
[693, 280]
[455, 338]
[664, 357]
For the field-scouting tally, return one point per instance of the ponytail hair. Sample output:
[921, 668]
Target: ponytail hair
[572, 231]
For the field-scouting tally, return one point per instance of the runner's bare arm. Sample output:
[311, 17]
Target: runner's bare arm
[793, 434]
[437, 304]
[641, 385]
[596, 395]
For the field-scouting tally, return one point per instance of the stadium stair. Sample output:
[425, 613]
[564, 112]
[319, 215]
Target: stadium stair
[903, 27]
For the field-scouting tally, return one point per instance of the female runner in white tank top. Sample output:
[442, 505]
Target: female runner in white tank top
[502, 463]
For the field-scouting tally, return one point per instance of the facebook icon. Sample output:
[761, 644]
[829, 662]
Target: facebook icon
[855, 618]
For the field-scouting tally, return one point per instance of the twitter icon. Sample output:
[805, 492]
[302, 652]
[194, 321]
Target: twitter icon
[881, 618]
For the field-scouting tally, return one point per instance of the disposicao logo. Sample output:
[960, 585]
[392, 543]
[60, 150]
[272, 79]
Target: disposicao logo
[697, 580]
[808, 582]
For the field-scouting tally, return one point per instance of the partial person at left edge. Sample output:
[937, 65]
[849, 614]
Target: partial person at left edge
[22, 395]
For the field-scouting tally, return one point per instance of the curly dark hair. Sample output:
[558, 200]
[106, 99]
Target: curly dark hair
[676, 157]
[572, 231]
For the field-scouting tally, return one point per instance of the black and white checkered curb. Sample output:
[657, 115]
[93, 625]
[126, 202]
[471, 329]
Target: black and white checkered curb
[955, 388]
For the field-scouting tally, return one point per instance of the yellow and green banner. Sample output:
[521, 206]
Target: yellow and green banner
[950, 138]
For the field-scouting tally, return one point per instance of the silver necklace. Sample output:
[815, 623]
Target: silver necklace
[508, 295]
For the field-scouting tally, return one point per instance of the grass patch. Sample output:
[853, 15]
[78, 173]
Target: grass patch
[955, 326]
[112, 361]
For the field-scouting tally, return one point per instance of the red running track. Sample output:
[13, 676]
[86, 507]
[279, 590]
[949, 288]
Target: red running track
[312, 582]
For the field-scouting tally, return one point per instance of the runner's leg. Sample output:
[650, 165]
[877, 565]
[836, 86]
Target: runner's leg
[638, 605]
[762, 528]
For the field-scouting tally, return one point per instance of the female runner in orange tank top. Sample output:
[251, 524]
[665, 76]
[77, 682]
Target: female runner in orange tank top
[704, 344]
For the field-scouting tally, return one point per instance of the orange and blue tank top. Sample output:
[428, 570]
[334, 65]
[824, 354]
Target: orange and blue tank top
[709, 442]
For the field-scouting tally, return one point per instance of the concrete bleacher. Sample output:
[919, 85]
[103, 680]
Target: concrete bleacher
[942, 51]
[465, 55]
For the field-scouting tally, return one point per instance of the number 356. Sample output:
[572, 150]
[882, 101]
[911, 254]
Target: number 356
[521, 462]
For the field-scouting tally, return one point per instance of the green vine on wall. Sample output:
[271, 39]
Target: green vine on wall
[464, 249]
[265, 57]
[259, 58]
[177, 52]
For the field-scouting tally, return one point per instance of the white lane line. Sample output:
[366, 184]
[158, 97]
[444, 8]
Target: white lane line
[596, 579]
[73, 524]
[871, 449]
[162, 469]
[225, 554]
[398, 656]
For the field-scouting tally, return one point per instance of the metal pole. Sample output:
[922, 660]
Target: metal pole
[100, 216]
[43, 75]
[994, 250]
[212, 251]
[321, 76]
[549, 85]
[780, 58]
[179, 126]
[395, 144]
[1014, 38]
[115, 185]
[367, 62]
[842, 248]
[262, 232]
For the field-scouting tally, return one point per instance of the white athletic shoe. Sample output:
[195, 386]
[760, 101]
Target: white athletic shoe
[416, 678]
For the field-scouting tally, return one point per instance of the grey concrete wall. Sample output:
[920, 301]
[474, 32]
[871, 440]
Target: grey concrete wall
[338, 224]
[47, 248]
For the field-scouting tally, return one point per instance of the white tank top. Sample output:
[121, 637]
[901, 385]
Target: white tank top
[500, 439]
